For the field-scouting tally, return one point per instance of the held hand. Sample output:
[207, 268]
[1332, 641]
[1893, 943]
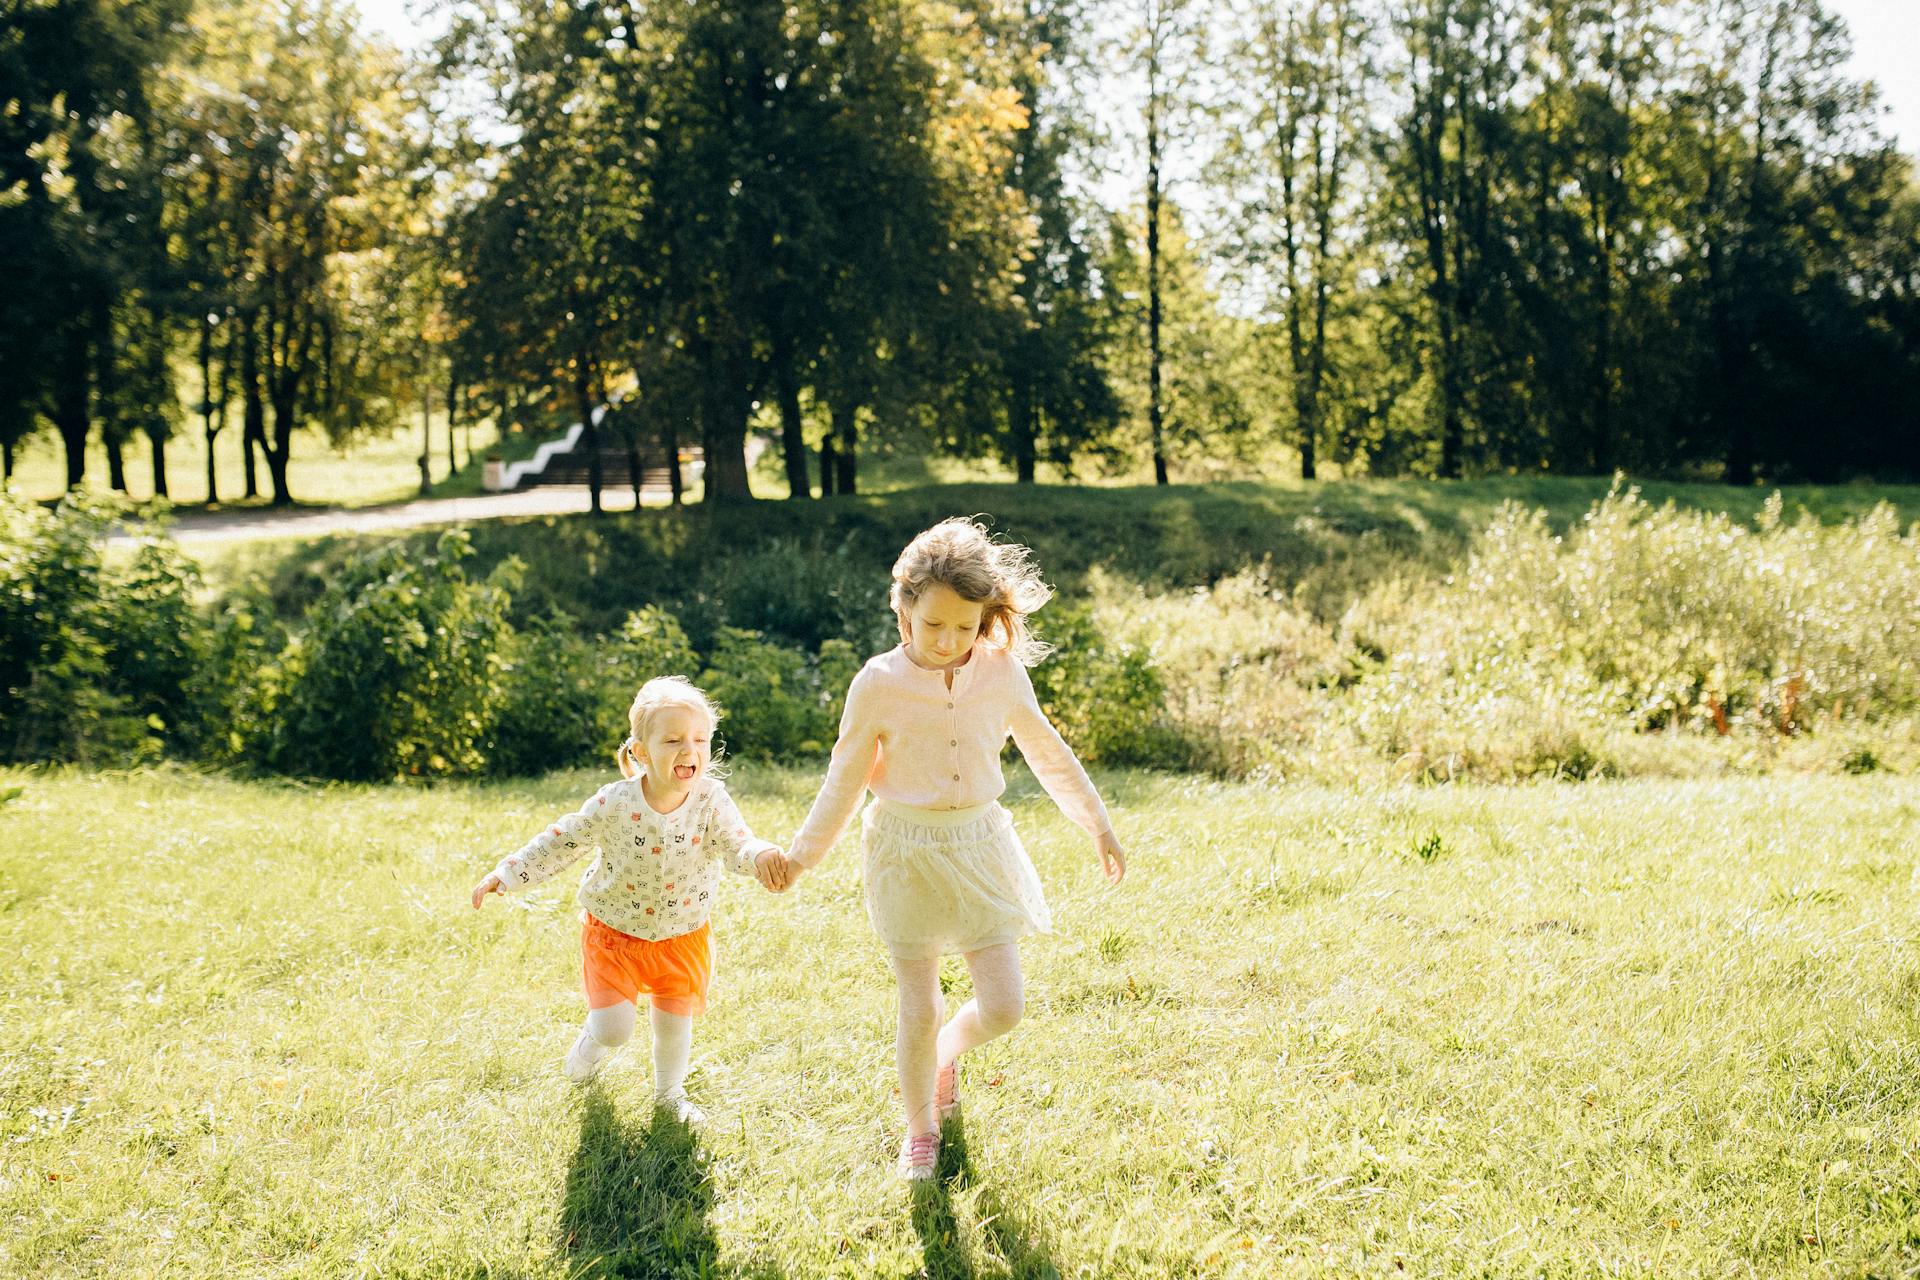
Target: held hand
[1113, 859]
[770, 869]
[480, 891]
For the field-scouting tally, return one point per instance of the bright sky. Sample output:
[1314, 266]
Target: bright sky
[1886, 49]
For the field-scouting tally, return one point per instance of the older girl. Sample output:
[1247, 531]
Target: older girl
[944, 870]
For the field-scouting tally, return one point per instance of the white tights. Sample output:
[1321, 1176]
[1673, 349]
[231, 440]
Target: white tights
[923, 1046]
[613, 1026]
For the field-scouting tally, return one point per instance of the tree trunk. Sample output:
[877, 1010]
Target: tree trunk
[670, 438]
[829, 465]
[426, 437]
[726, 369]
[159, 443]
[846, 427]
[1022, 428]
[630, 436]
[793, 439]
[253, 430]
[1153, 283]
[106, 387]
[70, 404]
[590, 430]
[279, 446]
[206, 406]
[453, 410]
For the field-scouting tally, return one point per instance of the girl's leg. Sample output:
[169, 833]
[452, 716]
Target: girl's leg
[999, 996]
[606, 1030]
[919, 1032]
[672, 1047]
[612, 1026]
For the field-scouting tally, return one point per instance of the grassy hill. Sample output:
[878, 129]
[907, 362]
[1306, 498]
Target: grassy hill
[1328, 542]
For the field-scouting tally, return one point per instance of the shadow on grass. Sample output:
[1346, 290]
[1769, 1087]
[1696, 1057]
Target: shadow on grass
[943, 1243]
[638, 1197]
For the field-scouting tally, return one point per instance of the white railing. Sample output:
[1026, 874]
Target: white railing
[497, 477]
[509, 474]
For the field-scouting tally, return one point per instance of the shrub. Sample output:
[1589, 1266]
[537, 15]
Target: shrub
[793, 594]
[237, 689]
[1103, 693]
[396, 670]
[1644, 618]
[95, 657]
[565, 695]
[779, 703]
[1245, 671]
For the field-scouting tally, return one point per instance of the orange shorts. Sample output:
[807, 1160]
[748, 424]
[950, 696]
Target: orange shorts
[620, 967]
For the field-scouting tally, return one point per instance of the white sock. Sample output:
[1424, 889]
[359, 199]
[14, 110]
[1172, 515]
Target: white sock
[672, 1047]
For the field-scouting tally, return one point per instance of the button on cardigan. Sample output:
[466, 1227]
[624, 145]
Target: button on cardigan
[909, 739]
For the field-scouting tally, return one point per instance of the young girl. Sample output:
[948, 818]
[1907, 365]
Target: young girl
[944, 870]
[662, 832]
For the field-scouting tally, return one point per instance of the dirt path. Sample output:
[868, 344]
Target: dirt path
[314, 522]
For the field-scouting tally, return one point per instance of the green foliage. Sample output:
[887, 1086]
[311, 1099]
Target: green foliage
[779, 703]
[1101, 691]
[1650, 618]
[1644, 639]
[565, 693]
[792, 592]
[95, 657]
[237, 688]
[397, 671]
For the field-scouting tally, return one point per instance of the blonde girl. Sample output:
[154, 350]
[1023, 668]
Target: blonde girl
[944, 870]
[663, 832]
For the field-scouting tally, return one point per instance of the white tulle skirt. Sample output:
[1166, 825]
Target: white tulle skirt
[941, 882]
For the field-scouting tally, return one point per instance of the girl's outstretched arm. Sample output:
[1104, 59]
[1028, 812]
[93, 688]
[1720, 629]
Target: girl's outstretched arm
[553, 850]
[1062, 775]
[854, 757]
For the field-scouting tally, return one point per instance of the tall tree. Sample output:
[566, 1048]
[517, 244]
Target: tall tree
[1293, 140]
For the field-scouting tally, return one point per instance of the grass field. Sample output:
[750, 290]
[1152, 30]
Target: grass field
[1606, 1029]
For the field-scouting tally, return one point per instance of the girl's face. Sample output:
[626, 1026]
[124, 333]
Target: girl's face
[677, 750]
[942, 627]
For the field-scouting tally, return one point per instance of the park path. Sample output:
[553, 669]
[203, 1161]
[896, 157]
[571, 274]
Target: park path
[242, 524]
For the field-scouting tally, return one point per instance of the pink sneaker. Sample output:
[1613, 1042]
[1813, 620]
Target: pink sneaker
[918, 1156]
[946, 1091]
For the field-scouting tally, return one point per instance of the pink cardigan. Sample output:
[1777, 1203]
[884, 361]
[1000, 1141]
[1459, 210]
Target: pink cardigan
[911, 740]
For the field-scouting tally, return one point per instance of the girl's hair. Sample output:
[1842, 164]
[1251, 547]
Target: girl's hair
[655, 696]
[959, 554]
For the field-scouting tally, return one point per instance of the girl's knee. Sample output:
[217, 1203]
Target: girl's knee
[999, 1011]
[611, 1026]
[920, 1011]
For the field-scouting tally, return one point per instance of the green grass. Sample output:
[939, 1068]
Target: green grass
[1612, 1029]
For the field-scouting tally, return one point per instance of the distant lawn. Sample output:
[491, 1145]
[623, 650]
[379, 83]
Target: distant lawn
[1613, 1029]
[367, 471]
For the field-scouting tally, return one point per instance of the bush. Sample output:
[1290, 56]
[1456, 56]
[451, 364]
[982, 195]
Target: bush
[1103, 693]
[1646, 619]
[565, 696]
[779, 703]
[237, 689]
[791, 594]
[95, 657]
[397, 670]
